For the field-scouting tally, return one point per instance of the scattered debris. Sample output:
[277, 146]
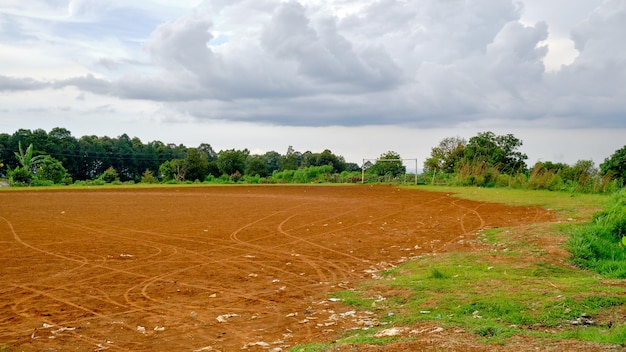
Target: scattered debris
[252, 344]
[391, 332]
[60, 330]
[224, 318]
[100, 347]
[583, 320]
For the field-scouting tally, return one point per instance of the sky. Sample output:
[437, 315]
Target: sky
[357, 77]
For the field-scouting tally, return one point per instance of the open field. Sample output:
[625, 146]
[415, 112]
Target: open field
[213, 268]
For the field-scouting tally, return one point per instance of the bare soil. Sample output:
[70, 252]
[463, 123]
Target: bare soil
[218, 268]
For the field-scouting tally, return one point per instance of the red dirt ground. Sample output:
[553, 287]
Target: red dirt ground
[212, 268]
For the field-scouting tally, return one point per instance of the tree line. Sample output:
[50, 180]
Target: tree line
[492, 160]
[42, 158]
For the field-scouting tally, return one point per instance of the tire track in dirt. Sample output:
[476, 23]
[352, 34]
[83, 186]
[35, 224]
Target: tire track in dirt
[150, 280]
[465, 232]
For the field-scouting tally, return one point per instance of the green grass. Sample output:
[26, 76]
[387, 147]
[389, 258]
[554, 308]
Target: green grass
[574, 203]
[497, 295]
[598, 245]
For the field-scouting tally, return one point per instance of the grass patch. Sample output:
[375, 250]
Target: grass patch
[600, 244]
[571, 204]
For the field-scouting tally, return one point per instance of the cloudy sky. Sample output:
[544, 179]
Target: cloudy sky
[356, 77]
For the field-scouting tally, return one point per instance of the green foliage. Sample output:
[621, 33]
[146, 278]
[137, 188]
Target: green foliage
[312, 174]
[148, 177]
[231, 161]
[291, 160]
[50, 169]
[109, 175]
[598, 244]
[615, 166]
[20, 176]
[446, 156]
[26, 158]
[195, 164]
[388, 164]
[324, 158]
[256, 166]
[496, 151]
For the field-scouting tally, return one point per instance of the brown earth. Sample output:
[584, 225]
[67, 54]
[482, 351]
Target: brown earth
[216, 268]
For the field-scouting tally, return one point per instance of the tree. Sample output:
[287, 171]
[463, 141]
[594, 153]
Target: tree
[20, 176]
[446, 156]
[496, 151]
[109, 175]
[616, 165]
[232, 161]
[148, 177]
[389, 163]
[26, 158]
[51, 169]
[172, 170]
[210, 153]
[196, 164]
[256, 166]
[272, 161]
[291, 161]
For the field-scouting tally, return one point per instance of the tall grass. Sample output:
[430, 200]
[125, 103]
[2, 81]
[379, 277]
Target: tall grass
[597, 245]
[482, 174]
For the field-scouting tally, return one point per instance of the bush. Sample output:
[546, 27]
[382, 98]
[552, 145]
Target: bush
[598, 244]
[148, 177]
[109, 175]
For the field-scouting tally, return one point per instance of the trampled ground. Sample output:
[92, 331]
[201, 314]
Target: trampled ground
[212, 268]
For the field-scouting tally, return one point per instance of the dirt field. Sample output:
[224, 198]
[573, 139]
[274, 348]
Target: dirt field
[212, 268]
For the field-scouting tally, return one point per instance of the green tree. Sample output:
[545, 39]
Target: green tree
[26, 158]
[496, 151]
[196, 164]
[148, 177]
[232, 161]
[616, 165]
[328, 158]
[173, 170]
[388, 164]
[272, 161]
[208, 150]
[446, 156]
[256, 166]
[64, 148]
[20, 176]
[109, 175]
[582, 173]
[51, 169]
[291, 161]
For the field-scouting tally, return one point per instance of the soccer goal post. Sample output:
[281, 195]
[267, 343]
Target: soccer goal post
[386, 160]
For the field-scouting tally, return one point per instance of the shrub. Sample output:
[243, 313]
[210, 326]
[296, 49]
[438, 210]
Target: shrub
[597, 244]
[109, 175]
[20, 176]
[148, 177]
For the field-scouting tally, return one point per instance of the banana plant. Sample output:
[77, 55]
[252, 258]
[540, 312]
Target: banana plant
[26, 158]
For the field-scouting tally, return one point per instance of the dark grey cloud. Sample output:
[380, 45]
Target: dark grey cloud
[8, 84]
[305, 63]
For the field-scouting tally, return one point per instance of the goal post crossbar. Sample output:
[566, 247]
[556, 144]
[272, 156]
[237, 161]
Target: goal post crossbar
[388, 160]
